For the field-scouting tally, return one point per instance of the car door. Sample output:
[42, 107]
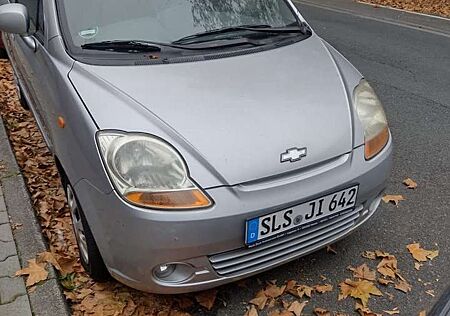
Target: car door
[32, 67]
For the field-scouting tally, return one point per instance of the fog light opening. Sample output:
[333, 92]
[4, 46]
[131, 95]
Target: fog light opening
[173, 272]
[164, 271]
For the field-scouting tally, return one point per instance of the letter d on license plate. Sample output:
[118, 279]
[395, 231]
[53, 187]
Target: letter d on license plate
[279, 223]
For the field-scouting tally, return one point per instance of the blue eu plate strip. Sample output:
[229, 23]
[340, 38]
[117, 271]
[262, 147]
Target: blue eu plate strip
[252, 231]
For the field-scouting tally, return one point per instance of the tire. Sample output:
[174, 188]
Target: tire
[3, 54]
[90, 256]
[23, 101]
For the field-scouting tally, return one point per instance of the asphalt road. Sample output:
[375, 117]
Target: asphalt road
[410, 69]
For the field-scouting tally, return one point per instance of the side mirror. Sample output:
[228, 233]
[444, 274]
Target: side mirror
[14, 18]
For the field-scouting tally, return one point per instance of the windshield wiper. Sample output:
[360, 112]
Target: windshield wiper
[123, 46]
[131, 46]
[234, 29]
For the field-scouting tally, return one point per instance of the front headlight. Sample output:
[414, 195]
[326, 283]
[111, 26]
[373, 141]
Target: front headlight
[373, 119]
[148, 172]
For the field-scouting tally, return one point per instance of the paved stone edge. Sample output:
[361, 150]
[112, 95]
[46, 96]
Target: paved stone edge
[48, 298]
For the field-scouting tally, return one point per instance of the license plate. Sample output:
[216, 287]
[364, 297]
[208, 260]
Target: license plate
[280, 223]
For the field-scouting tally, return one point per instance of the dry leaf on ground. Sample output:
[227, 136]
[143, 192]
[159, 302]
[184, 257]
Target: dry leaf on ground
[207, 298]
[251, 312]
[369, 255]
[331, 249]
[363, 272]
[435, 7]
[388, 266]
[394, 311]
[323, 288]
[421, 254]
[274, 291]
[394, 199]
[280, 313]
[304, 290]
[423, 313]
[358, 289]
[410, 184]
[430, 292]
[260, 300]
[48, 257]
[290, 285]
[35, 271]
[365, 311]
[384, 281]
[403, 286]
[297, 307]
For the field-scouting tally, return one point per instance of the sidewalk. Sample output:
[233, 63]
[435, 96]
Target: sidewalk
[13, 295]
[22, 244]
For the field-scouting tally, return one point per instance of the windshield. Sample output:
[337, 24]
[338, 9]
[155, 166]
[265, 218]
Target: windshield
[165, 21]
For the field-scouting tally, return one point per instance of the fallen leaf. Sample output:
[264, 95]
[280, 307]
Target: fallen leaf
[274, 291]
[251, 312]
[381, 254]
[36, 273]
[410, 184]
[403, 286]
[48, 257]
[395, 311]
[365, 311]
[323, 288]
[421, 254]
[363, 272]
[290, 285]
[430, 292]
[207, 298]
[358, 289]
[388, 266]
[260, 300]
[321, 312]
[297, 307]
[330, 249]
[369, 255]
[384, 281]
[423, 313]
[67, 264]
[280, 313]
[395, 199]
[304, 290]
[417, 266]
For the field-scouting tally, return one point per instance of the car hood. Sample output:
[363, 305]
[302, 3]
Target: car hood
[236, 115]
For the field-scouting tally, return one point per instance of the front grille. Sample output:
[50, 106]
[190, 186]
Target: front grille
[245, 260]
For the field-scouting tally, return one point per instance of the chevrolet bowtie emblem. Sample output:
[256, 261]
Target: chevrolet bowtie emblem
[294, 154]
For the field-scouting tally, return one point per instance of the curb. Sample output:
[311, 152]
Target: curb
[48, 298]
[421, 22]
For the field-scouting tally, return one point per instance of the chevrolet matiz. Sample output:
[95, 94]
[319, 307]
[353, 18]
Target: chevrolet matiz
[199, 141]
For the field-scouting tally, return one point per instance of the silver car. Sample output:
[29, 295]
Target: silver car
[199, 141]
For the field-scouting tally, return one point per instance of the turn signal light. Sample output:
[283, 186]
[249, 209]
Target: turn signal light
[376, 144]
[183, 199]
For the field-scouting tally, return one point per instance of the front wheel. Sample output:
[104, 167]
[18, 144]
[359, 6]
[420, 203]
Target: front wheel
[90, 256]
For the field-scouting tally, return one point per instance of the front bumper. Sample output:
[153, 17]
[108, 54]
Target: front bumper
[210, 243]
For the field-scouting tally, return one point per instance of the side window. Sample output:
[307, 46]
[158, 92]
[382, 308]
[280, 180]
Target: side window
[36, 15]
